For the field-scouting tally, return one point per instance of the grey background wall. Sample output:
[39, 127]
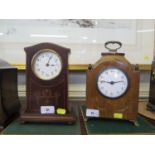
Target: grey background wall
[86, 39]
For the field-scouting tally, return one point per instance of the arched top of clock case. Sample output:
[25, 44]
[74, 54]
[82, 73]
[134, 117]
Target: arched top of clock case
[32, 50]
[47, 45]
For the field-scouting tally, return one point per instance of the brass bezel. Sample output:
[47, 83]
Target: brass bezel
[36, 55]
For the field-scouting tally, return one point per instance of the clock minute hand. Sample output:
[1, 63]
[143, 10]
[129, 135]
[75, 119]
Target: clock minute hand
[117, 81]
[111, 82]
[49, 61]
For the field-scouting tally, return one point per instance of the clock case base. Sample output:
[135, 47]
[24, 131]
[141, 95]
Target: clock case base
[69, 117]
[134, 122]
[29, 117]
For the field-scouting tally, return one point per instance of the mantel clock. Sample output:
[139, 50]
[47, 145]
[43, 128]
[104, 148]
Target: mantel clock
[112, 86]
[47, 84]
[151, 103]
[9, 101]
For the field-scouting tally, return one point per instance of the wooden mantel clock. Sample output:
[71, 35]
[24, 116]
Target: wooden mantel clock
[112, 86]
[9, 101]
[47, 84]
[151, 103]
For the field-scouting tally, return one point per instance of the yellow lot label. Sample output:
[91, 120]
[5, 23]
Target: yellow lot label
[118, 115]
[61, 111]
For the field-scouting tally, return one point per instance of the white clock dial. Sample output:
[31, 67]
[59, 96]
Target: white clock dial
[112, 82]
[46, 64]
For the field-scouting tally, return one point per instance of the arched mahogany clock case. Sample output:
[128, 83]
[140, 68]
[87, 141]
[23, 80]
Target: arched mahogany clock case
[52, 92]
[112, 106]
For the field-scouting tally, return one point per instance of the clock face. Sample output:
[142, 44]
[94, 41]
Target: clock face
[112, 82]
[46, 64]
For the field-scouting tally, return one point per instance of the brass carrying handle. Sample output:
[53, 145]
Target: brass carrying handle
[113, 42]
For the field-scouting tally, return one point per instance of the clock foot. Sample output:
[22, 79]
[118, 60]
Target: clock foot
[1, 127]
[135, 123]
[70, 123]
[22, 121]
[85, 119]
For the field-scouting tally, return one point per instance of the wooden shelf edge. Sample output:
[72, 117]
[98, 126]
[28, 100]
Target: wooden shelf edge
[83, 67]
[145, 67]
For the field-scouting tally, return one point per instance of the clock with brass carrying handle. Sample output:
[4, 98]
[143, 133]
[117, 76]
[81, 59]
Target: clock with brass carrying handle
[47, 84]
[112, 86]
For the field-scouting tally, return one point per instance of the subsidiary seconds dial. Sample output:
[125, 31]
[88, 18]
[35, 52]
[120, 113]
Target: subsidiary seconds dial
[46, 64]
[112, 82]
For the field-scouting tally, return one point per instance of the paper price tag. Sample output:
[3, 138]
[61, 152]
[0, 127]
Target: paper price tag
[92, 113]
[47, 109]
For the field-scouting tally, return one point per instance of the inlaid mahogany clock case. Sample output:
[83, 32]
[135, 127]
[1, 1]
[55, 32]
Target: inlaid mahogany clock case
[46, 92]
[127, 104]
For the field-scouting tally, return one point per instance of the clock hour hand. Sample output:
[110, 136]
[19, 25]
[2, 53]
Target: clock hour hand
[106, 81]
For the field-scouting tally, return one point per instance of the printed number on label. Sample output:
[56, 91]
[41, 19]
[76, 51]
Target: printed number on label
[92, 113]
[47, 110]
